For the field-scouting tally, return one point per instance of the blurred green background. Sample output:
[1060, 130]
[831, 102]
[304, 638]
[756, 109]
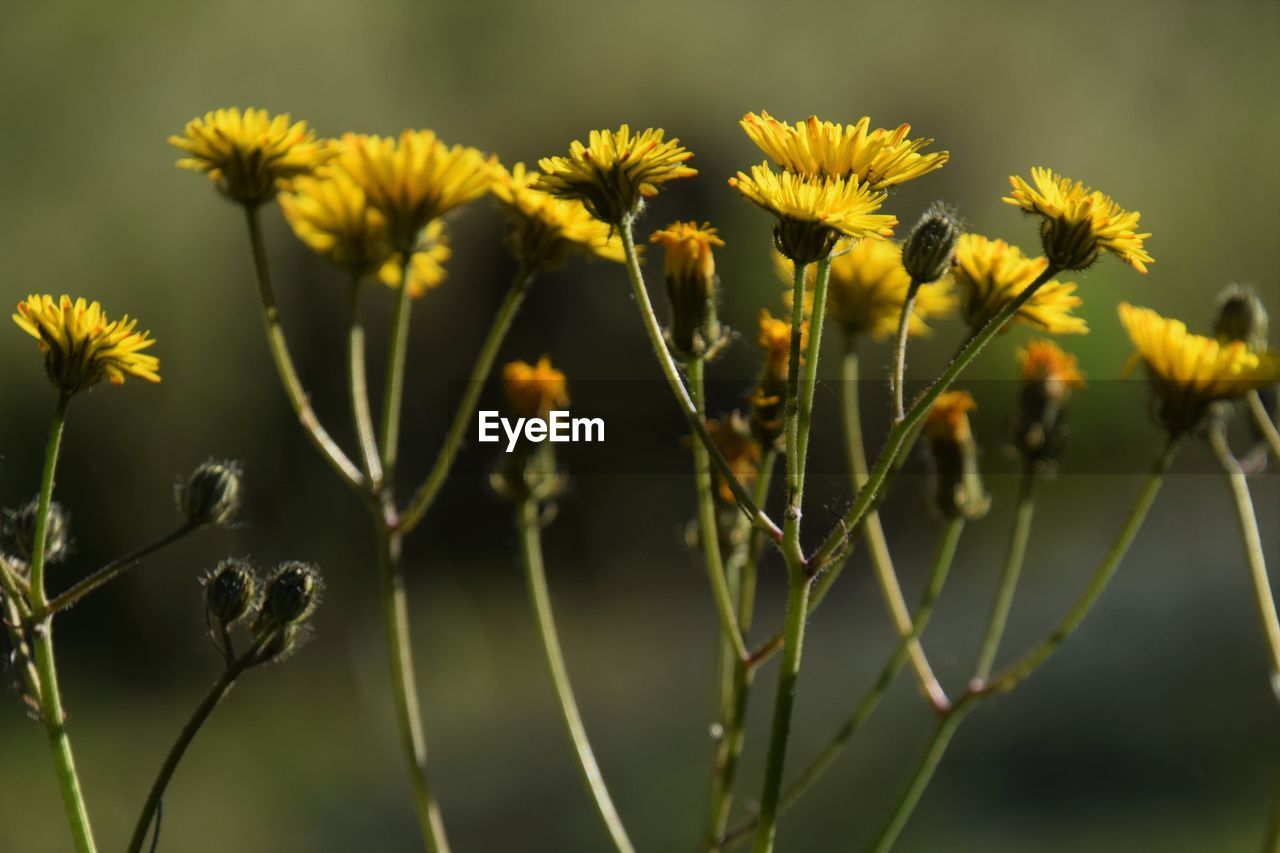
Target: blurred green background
[1153, 730]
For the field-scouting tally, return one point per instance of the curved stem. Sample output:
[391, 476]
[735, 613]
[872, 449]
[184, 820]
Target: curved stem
[426, 494]
[1022, 517]
[51, 713]
[115, 568]
[1266, 426]
[898, 377]
[393, 386]
[1015, 674]
[540, 598]
[709, 534]
[877, 542]
[404, 689]
[672, 374]
[293, 389]
[1252, 547]
[358, 385]
[897, 437]
[210, 701]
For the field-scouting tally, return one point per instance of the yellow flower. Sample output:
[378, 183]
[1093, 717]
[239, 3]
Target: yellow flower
[426, 270]
[615, 170]
[533, 390]
[82, 347]
[1046, 362]
[691, 285]
[767, 398]
[547, 228]
[991, 274]
[732, 437]
[814, 211]
[688, 246]
[867, 287]
[1079, 222]
[948, 417]
[1191, 372]
[250, 155]
[1049, 377]
[878, 158]
[330, 213]
[413, 179]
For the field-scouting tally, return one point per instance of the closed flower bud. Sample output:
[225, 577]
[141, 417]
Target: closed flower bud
[18, 532]
[959, 492]
[928, 250]
[691, 286]
[229, 592]
[291, 596]
[211, 495]
[1049, 376]
[1241, 317]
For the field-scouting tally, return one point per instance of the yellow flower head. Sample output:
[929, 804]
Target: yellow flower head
[82, 347]
[330, 213]
[688, 247]
[948, 418]
[814, 211]
[1049, 377]
[533, 390]
[691, 285]
[991, 274]
[733, 438]
[775, 340]
[615, 170]
[249, 155]
[867, 287]
[426, 269]
[1046, 362]
[547, 228]
[1079, 222]
[413, 179]
[877, 158]
[1191, 372]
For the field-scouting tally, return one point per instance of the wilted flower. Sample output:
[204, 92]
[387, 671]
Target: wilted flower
[82, 347]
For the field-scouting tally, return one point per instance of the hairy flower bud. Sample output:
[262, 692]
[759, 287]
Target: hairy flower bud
[1049, 376]
[959, 492]
[929, 248]
[1241, 316]
[18, 532]
[211, 495]
[229, 592]
[691, 286]
[291, 596]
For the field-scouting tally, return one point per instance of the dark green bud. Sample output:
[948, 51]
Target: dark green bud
[229, 592]
[804, 242]
[291, 596]
[211, 495]
[18, 532]
[1241, 316]
[931, 245]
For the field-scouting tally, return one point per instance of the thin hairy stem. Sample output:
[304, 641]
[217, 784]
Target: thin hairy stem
[430, 488]
[527, 524]
[358, 387]
[898, 377]
[115, 569]
[393, 385]
[298, 397]
[1262, 420]
[1008, 584]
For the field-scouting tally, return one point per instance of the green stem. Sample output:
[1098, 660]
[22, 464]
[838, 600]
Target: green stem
[877, 542]
[710, 537]
[393, 386]
[1252, 547]
[672, 374]
[1023, 514]
[359, 387]
[1029, 662]
[293, 389]
[1266, 426]
[480, 371]
[114, 569]
[897, 437]
[210, 701]
[540, 598]
[51, 713]
[898, 377]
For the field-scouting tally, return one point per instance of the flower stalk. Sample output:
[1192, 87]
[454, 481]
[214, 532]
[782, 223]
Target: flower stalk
[1024, 512]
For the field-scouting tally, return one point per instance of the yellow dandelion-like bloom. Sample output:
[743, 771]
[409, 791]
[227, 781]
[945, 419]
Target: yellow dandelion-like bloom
[1049, 377]
[615, 170]
[867, 287]
[1079, 222]
[250, 155]
[775, 340]
[732, 437]
[1045, 361]
[878, 158]
[533, 390]
[548, 228]
[813, 212]
[82, 346]
[691, 285]
[1191, 372]
[426, 270]
[688, 250]
[331, 214]
[992, 273]
[413, 179]
[948, 417]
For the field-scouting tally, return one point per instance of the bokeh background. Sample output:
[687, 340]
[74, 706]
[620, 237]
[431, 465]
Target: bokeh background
[1153, 730]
